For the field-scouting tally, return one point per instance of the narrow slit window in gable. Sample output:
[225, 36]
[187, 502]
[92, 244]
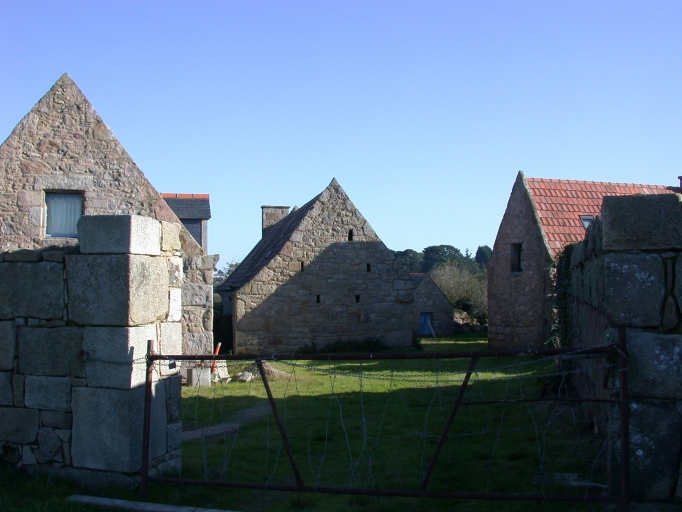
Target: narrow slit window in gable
[369, 267]
[350, 235]
[516, 257]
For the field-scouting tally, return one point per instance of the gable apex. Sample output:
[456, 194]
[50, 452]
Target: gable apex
[74, 150]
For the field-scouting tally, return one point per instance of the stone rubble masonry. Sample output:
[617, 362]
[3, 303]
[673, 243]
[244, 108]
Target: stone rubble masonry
[62, 144]
[197, 305]
[428, 298]
[119, 234]
[117, 289]
[197, 343]
[628, 273]
[197, 295]
[278, 308]
[517, 307]
[51, 352]
[31, 290]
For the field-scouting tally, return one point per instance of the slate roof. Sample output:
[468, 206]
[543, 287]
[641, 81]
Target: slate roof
[189, 206]
[560, 203]
[267, 248]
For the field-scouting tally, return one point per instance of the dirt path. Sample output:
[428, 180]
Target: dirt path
[230, 427]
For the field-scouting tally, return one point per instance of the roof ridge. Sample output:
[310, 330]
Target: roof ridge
[556, 180]
[267, 247]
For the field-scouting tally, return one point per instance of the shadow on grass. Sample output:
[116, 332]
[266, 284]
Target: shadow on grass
[383, 437]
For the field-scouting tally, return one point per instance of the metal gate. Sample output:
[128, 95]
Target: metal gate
[617, 350]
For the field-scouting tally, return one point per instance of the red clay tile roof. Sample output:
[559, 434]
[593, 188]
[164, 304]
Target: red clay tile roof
[560, 203]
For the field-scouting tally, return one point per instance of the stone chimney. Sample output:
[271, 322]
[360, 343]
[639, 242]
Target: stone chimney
[272, 215]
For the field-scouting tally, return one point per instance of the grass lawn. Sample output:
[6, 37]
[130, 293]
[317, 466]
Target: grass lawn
[374, 425]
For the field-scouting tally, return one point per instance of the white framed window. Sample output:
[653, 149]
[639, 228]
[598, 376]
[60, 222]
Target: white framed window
[63, 211]
[587, 220]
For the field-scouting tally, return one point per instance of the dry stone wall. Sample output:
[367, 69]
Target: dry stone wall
[627, 273]
[74, 329]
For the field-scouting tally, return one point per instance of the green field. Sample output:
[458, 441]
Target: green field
[374, 425]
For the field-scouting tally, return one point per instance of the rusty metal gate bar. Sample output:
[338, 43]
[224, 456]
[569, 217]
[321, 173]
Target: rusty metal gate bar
[620, 349]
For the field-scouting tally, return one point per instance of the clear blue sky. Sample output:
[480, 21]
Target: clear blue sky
[424, 111]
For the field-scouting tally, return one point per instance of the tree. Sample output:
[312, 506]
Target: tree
[464, 286]
[411, 260]
[435, 255]
[483, 254]
[229, 267]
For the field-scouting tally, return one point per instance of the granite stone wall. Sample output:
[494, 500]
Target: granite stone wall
[519, 308]
[627, 273]
[63, 145]
[74, 328]
[321, 287]
[428, 298]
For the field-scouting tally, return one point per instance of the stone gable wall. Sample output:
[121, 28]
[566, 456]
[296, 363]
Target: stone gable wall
[428, 298]
[518, 302]
[62, 144]
[278, 310]
[627, 273]
[74, 328]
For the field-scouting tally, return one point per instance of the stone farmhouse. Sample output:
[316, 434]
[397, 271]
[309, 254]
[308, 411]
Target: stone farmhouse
[542, 217]
[319, 274]
[62, 162]
[432, 312]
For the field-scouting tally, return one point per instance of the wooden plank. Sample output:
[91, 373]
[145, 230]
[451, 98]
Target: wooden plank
[135, 505]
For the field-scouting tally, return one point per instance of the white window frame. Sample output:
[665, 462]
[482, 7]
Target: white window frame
[50, 196]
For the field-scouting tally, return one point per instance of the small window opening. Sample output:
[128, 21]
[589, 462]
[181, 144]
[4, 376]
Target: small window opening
[516, 250]
[587, 220]
[369, 267]
[318, 299]
[63, 211]
[302, 266]
[350, 235]
[357, 298]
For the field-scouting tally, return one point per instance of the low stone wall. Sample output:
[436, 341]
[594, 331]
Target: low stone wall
[74, 328]
[628, 273]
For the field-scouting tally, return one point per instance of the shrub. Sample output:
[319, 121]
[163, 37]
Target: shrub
[465, 287]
